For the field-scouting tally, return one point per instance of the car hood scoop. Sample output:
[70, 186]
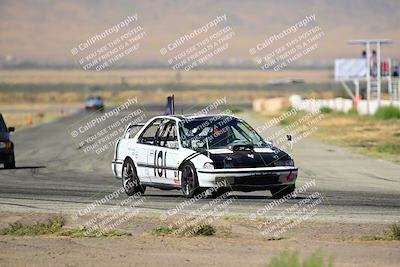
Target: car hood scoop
[241, 148]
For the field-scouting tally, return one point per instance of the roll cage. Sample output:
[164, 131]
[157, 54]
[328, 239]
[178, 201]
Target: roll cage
[164, 130]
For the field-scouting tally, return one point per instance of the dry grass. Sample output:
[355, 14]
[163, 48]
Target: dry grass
[292, 259]
[364, 134]
[390, 235]
[195, 230]
[55, 226]
[144, 96]
[39, 97]
[20, 119]
[68, 89]
[46, 106]
[154, 76]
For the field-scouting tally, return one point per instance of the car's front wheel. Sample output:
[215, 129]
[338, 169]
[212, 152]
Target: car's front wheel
[10, 165]
[130, 179]
[189, 182]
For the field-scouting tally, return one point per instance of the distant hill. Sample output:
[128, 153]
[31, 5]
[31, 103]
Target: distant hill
[44, 30]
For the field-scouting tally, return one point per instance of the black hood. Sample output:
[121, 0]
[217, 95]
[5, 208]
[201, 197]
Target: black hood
[223, 158]
[4, 136]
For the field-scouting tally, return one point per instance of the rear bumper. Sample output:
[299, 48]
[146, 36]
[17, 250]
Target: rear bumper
[248, 179]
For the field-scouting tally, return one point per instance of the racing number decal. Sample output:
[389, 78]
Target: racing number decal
[160, 162]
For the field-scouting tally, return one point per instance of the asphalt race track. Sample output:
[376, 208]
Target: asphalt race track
[53, 174]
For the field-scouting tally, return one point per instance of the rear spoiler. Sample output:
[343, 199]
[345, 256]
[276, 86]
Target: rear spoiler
[169, 110]
[139, 124]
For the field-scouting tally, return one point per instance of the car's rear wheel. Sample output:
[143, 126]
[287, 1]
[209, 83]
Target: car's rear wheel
[282, 191]
[130, 179]
[189, 183]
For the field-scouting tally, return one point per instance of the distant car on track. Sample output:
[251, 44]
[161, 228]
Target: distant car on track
[7, 157]
[193, 153]
[94, 103]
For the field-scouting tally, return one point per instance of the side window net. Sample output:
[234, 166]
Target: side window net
[149, 134]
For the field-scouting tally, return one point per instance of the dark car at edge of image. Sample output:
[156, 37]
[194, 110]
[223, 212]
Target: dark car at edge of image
[6, 146]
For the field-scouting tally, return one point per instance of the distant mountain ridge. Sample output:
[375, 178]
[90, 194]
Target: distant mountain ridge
[44, 30]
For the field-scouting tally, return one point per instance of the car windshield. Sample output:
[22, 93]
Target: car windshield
[218, 132]
[3, 127]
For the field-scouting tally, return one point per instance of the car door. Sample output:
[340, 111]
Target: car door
[164, 155]
[146, 143]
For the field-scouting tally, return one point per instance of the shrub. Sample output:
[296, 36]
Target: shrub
[352, 112]
[325, 110]
[205, 229]
[163, 230]
[53, 225]
[394, 232]
[85, 232]
[185, 231]
[387, 113]
[389, 148]
[285, 259]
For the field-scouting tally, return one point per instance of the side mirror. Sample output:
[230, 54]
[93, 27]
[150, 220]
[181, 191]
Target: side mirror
[11, 129]
[290, 139]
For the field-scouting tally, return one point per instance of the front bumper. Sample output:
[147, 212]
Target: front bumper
[116, 166]
[94, 108]
[6, 156]
[248, 179]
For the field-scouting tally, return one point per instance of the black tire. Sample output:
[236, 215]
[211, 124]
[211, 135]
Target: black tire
[10, 165]
[130, 179]
[282, 191]
[189, 183]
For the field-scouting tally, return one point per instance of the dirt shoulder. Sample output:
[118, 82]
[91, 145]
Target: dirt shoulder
[237, 242]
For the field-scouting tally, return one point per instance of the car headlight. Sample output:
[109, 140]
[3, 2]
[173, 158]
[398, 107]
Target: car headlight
[208, 165]
[286, 162]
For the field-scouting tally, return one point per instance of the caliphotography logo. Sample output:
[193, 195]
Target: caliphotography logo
[201, 133]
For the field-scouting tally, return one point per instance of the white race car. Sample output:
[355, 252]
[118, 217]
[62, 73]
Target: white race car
[193, 153]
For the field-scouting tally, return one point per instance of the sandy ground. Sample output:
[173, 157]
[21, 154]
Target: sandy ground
[236, 243]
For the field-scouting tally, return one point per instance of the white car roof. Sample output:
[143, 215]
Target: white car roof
[192, 117]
